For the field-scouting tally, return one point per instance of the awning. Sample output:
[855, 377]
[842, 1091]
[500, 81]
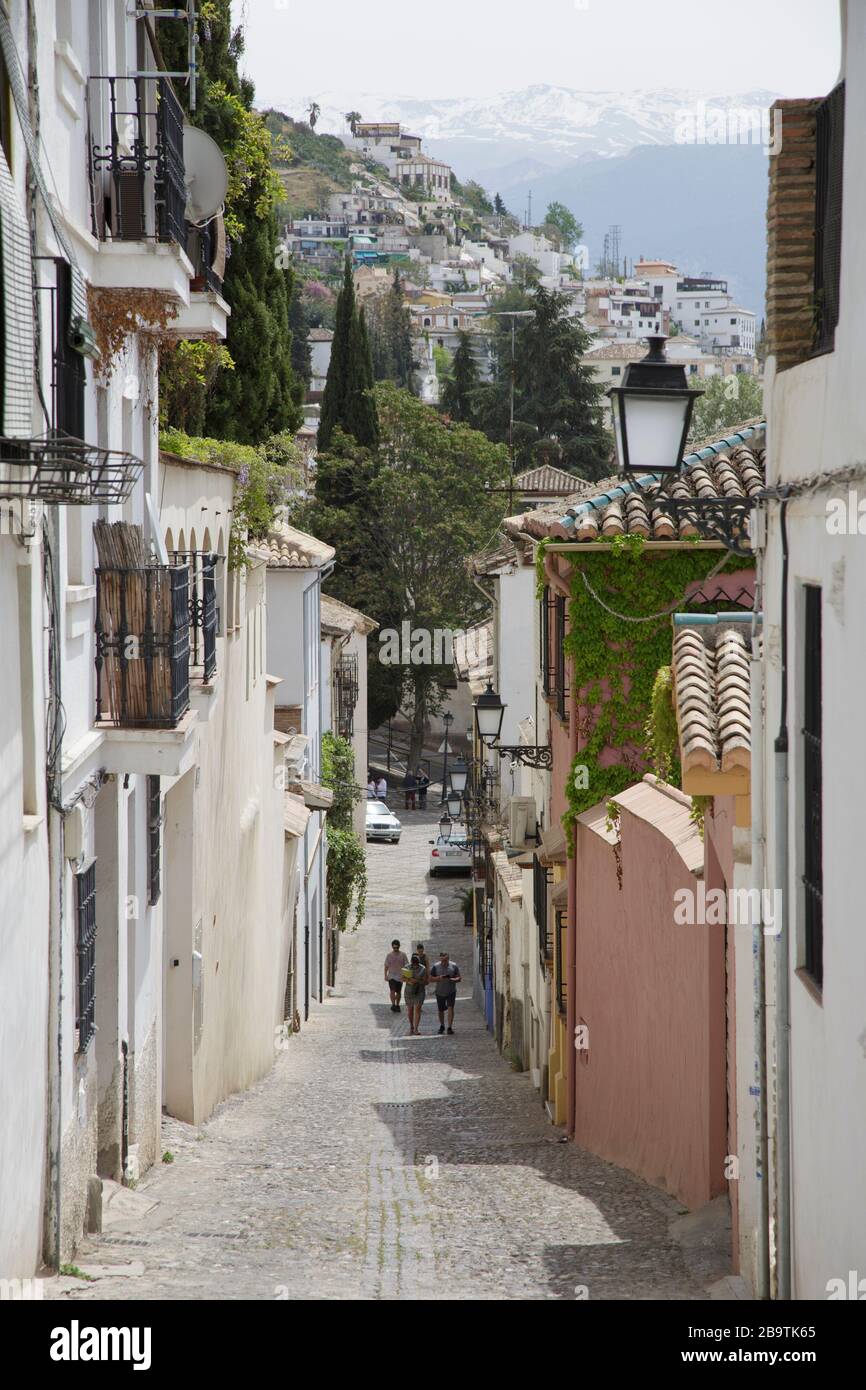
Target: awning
[314, 795]
[295, 814]
[554, 847]
[559, 895]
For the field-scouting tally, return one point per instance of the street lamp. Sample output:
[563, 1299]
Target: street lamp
[454, 804]
[447, 720]
[445, 827]
[459, 775]
[652, 410]
[489, 710]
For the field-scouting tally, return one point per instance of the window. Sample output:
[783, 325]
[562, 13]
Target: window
[560, 931]
[692, 370]
[616, 371]
[733, 321]
[559, 655]
[829, 147]
[540, 884]
[658, 291]
[154, 836]
[85, 951]
[813, 872]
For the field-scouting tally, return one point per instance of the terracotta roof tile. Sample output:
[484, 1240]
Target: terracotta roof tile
[712, 695]
[287, 548]
[716, 468]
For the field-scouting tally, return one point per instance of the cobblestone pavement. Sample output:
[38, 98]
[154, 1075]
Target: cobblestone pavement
[372, 1165]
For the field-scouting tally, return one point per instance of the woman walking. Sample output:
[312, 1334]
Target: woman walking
[415, 976]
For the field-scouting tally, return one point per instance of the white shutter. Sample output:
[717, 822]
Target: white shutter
[17, 308]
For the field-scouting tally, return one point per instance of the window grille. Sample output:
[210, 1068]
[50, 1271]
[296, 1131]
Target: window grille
[85, 949]
[813, 875]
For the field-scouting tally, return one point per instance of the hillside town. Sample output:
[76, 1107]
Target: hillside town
[408, 603]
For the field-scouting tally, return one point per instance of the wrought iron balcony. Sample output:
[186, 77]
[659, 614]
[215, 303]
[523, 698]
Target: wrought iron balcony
[135, 160]
[142, 646]
[203, 611]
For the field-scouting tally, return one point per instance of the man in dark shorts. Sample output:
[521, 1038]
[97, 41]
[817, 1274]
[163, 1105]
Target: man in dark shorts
[395, 961]
[445, 974]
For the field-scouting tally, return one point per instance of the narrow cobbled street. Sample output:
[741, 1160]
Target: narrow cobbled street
[372, 1165]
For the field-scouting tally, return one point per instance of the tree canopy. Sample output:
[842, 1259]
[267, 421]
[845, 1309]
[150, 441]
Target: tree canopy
[557, 400]
[565, 227]
[727, 401]
[347, 401]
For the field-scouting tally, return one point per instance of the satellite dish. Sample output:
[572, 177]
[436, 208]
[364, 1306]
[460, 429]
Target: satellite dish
[206, 175]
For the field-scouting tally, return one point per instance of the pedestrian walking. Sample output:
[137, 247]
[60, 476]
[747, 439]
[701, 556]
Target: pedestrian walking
[446, 974]
[410, 785]
[422, 955]
[423, 784]
[415, 977]
[395, 962]
[371, 786]
[381, 788]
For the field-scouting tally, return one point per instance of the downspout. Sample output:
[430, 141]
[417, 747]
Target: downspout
[783, 1023]
[758, 1090]
[556, 581]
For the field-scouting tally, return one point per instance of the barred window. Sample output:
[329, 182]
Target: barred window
[813, 871]
[85, 950]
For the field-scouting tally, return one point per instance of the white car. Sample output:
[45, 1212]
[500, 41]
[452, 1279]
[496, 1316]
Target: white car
[453, 855]
[382, 824]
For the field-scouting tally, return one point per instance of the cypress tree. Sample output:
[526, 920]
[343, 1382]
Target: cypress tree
[346, 400]
[459, 398]
[262, 396]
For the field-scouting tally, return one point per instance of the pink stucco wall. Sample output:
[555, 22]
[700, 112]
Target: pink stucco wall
[650, 1088]
[719, 873]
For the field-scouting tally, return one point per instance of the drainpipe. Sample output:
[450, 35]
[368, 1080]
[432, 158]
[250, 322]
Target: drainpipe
[556, 581]
[758, 1089]
[783, 1022]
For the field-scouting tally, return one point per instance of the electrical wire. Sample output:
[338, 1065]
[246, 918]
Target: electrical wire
[651, 617]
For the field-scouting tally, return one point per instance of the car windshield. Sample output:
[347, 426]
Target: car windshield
[377, 808]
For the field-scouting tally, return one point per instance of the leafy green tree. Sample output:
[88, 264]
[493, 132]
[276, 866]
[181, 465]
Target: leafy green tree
[565, 226]
[727, 401]
[188, 370]
[346, 400]
[557, 400]
[262, 395]
[347, 869]
[434, 506]
[459, 398]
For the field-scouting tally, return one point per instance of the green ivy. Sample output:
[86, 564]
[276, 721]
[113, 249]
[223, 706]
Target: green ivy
[626, 656]
[347, 863]
[660, 731]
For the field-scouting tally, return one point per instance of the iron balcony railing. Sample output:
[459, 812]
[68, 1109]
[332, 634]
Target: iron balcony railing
[202, 251]
[142, 646]
[346, 691]
[204, 615]
[560, 931]
[135, 160]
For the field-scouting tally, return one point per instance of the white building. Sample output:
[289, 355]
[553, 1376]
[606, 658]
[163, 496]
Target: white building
[144, 902]
[320, 356]
[540, 251]
[728, 329]
[344, 634]
[296, 566]
[813, 580]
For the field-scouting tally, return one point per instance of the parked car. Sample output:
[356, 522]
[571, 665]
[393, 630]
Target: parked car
[382, 824]
[453, 855]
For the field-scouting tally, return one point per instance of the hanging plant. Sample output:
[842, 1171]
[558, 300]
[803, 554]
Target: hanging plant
[117, 314]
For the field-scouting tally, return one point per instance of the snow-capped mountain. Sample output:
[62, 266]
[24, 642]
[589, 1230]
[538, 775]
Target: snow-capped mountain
[545, 124]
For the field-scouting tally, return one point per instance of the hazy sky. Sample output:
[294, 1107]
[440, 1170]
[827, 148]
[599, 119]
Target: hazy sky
[453, 48]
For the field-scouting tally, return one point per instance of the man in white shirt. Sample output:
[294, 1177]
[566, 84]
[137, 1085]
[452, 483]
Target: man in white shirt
[446, 976]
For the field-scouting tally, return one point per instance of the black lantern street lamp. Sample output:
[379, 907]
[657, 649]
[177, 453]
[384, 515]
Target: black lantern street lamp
[652, 410]
[489, 710]
[454, 804]
[447, 720]
[445, 827]
[459, 775]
